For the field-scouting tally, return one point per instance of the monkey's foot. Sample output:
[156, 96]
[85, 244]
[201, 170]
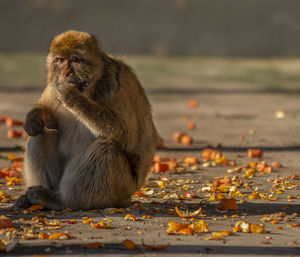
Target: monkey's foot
[21, 203]
[37, 194]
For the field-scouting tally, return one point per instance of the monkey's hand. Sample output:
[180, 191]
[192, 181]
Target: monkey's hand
[65, 90]
[34, 123]
[38, 120]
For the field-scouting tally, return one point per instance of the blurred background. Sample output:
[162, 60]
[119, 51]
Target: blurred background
[173, 45]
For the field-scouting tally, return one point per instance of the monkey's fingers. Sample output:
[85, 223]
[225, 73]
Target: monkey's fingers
[50, 131]
[21, 203]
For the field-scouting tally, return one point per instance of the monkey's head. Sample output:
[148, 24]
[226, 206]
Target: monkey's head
[74, 57]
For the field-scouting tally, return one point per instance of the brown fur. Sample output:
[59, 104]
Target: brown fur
[106, 138]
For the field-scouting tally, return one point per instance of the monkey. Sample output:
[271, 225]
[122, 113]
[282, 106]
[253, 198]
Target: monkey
[91, 134]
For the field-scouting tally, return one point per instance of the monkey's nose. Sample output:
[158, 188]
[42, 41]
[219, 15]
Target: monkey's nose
[66, 72]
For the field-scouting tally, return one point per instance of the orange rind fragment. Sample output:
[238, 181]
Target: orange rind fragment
[174, 227]
[186, 140]
[5, 222]
[13, 157]
[129, 244]
[179, 228]
[242, 226]
[277, 165]
[43, 236]
[246, 227]
[223, 181]
[191, 125]
[87, 220]
[177, 136]
[94, 245]
[130, 217]
[140, 194]
[192, 103]
[227, 204]
[200, 226]
[60, 236]
[12, 181]
[9, 122]
[14, 133]
[191, 160]
[257, 229]
[187, 229]
[210, 154]
[255, 153]
[222, 233]
[155, 247]
[188, 215]
[160, 167]
[100, 225]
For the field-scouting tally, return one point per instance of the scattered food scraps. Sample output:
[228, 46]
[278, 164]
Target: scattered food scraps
[210, 154]
[227, 204]
[130, 217]
[5, 222]
[129, 244]
[192, 103]
[188, 215]
[255, 153]
[60, 236]
[191, 125]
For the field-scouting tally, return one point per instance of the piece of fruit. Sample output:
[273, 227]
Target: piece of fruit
[227, 204]
[210, 154]
[255, 153]
[129, 244]
[9, 122]
[193, 103]
[186, 140]
[188, 215]
[191, 160]
[160, 167]
[257, 228]
[14, 133]
[177, 136]
[60, 236]
[130, 217]
[5, 222]
[191, 125]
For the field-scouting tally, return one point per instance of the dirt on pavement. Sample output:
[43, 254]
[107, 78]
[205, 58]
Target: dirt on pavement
[231, 122]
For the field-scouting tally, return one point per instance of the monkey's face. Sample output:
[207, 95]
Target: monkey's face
[74, 57]
[73, 69]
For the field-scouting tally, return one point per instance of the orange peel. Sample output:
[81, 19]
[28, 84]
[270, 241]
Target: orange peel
[188, 215]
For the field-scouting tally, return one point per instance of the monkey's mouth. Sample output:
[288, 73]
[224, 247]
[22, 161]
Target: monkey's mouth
[78, 83]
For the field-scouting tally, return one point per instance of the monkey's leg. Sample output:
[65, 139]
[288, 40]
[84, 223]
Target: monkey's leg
[98, 177]
[41, 165]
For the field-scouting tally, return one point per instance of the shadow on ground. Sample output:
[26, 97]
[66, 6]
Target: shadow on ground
[176, 250]
[233, 148]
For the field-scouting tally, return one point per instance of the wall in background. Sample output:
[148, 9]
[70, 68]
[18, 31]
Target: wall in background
[203, 27]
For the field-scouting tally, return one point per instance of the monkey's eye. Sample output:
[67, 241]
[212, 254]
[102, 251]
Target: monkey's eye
[75, 59]
[59, 60]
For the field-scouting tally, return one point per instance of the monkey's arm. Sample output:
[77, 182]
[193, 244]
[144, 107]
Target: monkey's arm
[100, 119]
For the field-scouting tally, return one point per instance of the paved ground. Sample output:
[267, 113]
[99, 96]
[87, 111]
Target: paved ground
[232, 120]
